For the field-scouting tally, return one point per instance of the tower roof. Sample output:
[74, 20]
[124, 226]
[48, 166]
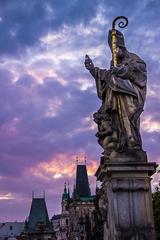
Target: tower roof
[38, 215]
[65, 195]
[82, 184]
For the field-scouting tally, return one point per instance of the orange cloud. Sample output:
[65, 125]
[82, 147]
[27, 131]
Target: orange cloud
[62, 165]
[92, 168]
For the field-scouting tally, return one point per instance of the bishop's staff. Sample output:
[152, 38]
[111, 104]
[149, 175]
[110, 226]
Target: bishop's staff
[114, 41]
[121, 24]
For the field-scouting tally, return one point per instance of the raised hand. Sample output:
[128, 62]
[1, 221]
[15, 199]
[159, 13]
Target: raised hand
[88, 63]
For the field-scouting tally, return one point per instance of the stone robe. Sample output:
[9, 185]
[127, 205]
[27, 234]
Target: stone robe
[123, 95]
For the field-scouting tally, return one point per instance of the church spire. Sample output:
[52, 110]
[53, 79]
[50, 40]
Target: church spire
[65, 189]
[68, 191]
[65, 194]
[82, 184]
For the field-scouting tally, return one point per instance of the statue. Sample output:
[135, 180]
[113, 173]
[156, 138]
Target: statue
[122, 89]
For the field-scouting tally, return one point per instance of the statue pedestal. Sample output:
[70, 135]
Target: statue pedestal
[127, 190]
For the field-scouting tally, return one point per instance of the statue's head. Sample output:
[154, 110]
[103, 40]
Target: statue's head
[120, 43]
[119, 37]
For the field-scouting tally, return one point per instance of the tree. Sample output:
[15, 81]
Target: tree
[156, 210]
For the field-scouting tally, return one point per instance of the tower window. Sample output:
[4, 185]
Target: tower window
[67, 221]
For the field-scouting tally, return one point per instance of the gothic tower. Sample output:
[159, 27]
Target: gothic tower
[81, 207]
[82, 184]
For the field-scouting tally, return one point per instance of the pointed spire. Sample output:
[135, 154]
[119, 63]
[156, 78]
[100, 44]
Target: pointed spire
[77, 159]
[32, 194]
[68, 191]
[85, 160]
[65, 189]
[38, 213]
[82, 183]
[65, 194]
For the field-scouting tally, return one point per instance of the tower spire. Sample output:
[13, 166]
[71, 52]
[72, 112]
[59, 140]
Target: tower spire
[85, 160]
[82, 183]
[68, 191]
[65, 189]
[65, 194]
[77, 159]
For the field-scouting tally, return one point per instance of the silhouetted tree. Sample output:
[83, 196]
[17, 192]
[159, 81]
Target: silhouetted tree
[156, 210]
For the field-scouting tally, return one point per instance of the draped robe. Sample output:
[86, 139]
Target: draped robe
[128, 86]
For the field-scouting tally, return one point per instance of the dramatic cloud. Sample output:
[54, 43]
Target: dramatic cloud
[47, 97]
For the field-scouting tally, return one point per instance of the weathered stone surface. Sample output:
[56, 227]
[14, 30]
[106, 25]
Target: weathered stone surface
[128, 156]
[127, 189]
[122, 90]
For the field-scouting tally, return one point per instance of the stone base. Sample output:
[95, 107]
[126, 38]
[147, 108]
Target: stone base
[130, 155]
[126, 186]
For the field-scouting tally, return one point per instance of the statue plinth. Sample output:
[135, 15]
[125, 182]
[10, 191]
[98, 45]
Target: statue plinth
[129, 155]
[126, 186]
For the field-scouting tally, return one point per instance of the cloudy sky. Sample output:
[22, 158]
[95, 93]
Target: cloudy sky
[47, 97]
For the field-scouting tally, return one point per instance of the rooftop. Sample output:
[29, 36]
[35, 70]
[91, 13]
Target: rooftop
[38, 215]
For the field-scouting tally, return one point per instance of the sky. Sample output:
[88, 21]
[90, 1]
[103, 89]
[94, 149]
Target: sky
[47, 97]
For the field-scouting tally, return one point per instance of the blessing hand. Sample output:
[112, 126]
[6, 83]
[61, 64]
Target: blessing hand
[88, 63]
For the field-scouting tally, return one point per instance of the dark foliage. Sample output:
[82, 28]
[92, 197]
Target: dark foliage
[156, 210]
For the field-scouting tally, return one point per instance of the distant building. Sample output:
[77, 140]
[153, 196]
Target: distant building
[56, 225]
[38, 226]
[64, 221]
[81, 207]
[76, 221]
[11, 230]
[61, 222]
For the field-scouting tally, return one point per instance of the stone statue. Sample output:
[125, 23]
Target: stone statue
[122, 89]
